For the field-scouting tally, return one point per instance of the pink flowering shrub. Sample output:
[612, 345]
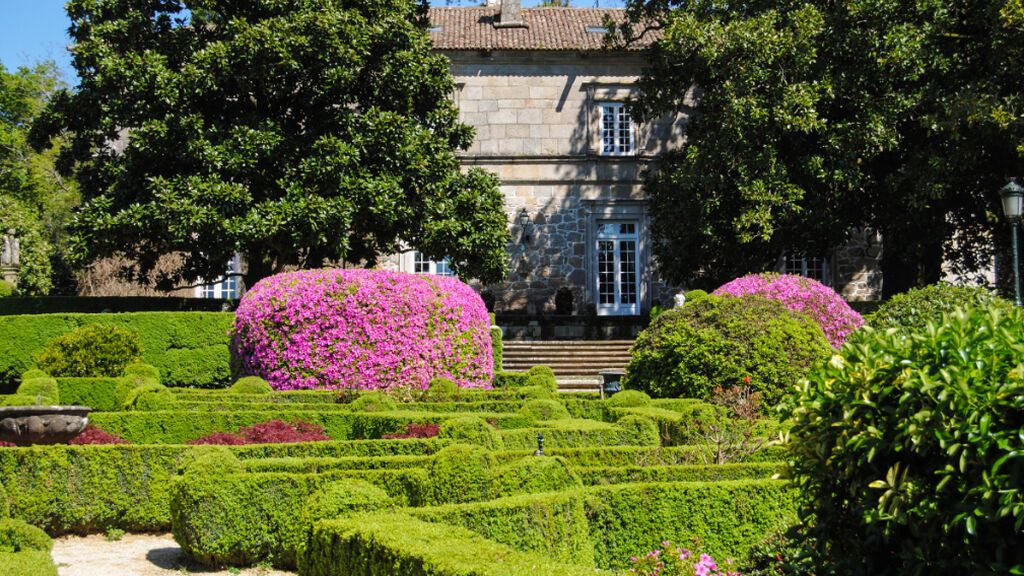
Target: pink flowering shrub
[363, 329]
[803, 295]
[671, 560]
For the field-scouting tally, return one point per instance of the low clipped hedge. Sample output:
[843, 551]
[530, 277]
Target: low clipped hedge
[726, 517]
[189, 348]
[579, 433]
[602, 475]
[177, 427]
[86, 489]
[389, 544]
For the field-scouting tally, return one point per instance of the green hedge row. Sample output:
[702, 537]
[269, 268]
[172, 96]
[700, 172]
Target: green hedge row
[27, 563]
[575, 434]
[189, 348]
[85, 489]
[177, 427]
[552, 524]
[602, 475]
[487, 406]
[280, 397]
[389, 544]
[93, 304]
[320, 464]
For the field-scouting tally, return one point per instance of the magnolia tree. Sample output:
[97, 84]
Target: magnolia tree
[803, 295]
[363, 329]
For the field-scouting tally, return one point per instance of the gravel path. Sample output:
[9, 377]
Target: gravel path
[133, 555]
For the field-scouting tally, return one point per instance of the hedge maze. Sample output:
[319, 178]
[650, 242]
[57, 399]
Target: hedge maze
[617, 478]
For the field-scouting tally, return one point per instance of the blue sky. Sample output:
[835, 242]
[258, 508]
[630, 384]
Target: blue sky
[34, 30]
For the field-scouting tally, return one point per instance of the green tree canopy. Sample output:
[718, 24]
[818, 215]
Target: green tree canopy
[292, 131]
[35, 202]
[815, 117]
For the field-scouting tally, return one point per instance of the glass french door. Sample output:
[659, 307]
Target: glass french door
[618, 272]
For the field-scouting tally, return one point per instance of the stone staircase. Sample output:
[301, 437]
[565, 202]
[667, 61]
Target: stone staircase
[576, 362]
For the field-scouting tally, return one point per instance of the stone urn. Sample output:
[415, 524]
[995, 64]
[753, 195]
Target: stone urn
[27, 425]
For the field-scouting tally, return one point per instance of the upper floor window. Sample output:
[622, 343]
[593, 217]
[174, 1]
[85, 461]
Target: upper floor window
[618, 135]
[226, 286]
[812, 267]
[423, 265]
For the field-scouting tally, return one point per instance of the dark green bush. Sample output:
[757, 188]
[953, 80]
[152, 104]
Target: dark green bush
[533, 474]
[460, 473]
[149, 397]
[94, 350]
[373, 402]
[391, 544]
[716, 341]
[906, 449]
[189, 348]
[251, 385]
[542, 377]
[45, 390]
[545, 410]
[18, 536]
[442, 390]
[915, 308]
[471, 430]
[28, 563]
[629, 399]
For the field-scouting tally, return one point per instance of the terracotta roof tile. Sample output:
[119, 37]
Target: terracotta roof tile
[458, 28]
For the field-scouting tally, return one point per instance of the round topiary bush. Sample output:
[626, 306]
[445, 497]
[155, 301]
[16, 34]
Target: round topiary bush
[140, 370]
[34, 373]
[442, 390]
[344, 497]
[373, 402]
[363, 329]
[149, 397]
[215, 460]
[532, 475]
[471, 430]
[92, 350]
[542, 409]
[638, 431]
[251, 385]
[543, 377]
[43, 390]
[913, 309]
[906, 449]
[803, 295]
[17, 536]
[725, 342]
[628, 399]
[460, 473]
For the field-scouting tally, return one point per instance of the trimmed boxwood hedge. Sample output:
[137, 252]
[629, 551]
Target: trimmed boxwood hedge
[189, 348]
[178, 427]
[28, 563]
[389, 544]
[602, 475]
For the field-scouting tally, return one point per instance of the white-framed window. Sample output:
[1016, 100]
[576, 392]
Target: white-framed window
[618, 133]
[224, 287]
[813, 267]
[423, 265]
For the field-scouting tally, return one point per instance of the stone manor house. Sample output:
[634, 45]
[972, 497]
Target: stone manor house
[547, 101]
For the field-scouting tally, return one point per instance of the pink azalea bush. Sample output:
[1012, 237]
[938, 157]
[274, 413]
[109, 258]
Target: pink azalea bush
[672, 560]
[803, 295]
[363, 329]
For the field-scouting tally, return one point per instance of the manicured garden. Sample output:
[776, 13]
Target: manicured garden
[376, 434]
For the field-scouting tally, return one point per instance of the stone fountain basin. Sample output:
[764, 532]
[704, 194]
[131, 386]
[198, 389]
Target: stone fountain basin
[27, 425]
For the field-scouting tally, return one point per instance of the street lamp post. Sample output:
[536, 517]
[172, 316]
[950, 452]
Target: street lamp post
[1013, 205]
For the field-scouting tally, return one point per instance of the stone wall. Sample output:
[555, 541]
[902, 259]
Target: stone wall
[857, 267]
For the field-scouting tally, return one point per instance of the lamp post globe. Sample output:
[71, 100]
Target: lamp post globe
[1012, 196]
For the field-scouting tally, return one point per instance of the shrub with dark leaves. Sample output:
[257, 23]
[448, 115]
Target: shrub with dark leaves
[220, 439]
[271, 432]
[94, 435]
[416, 430]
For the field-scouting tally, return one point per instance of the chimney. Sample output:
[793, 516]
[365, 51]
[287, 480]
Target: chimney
[511, 15]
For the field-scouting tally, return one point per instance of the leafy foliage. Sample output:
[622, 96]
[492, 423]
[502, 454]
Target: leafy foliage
[906, 449]
[629, 399]
[17, 536]
[95, 435]
[816, 118]
[35, 201]
[93, 350]
[471, 430]
[803, 295]
[543, 409]
[293, 132]
[720, 341]
[251, 385]
[270, 432]
[914, 309]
